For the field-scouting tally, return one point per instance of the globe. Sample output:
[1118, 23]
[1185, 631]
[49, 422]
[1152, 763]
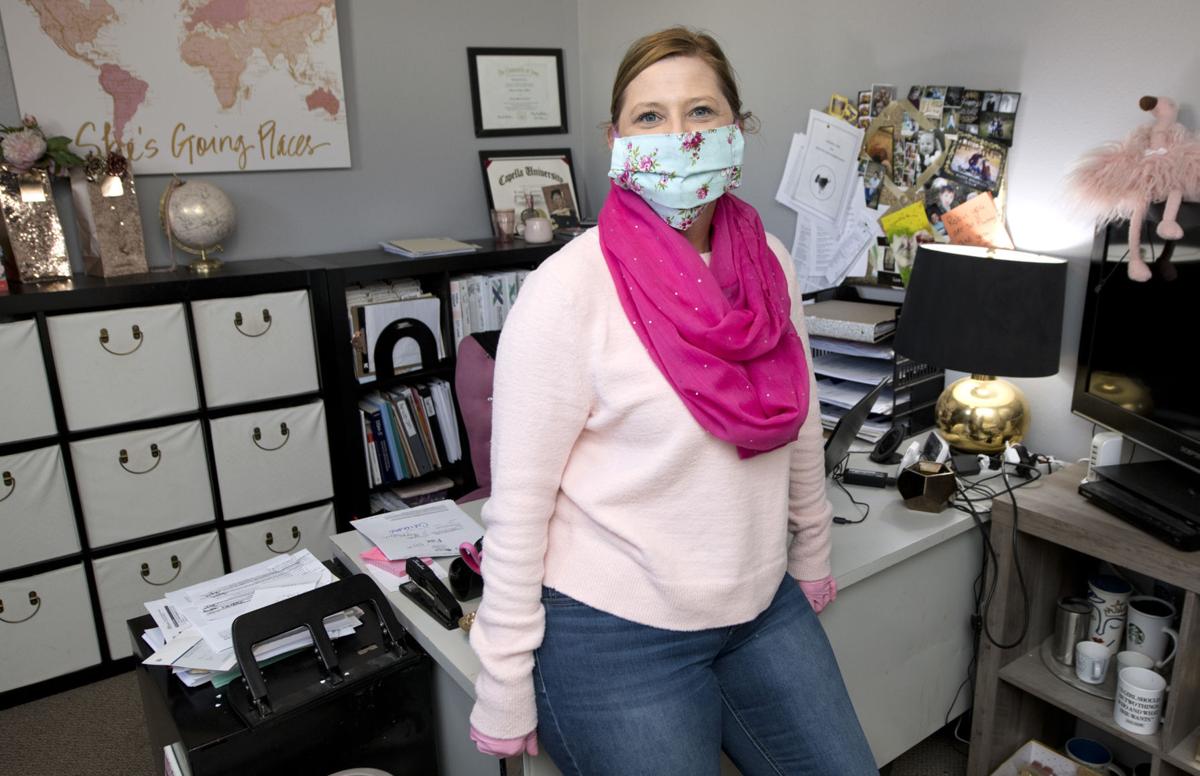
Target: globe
[197, 216]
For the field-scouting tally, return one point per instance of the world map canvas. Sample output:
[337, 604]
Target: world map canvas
[185, 85]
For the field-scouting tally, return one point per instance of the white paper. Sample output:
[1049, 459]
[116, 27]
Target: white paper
[871, 430]
[828, 169]
[167, 617]
[847, 394]
[435, 530]
[791, 171]
[851, 368]
[211, 606]
[168, 653]
[852, 348]
[391, 583]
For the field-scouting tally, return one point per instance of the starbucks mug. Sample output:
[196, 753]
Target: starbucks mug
[1148, 628]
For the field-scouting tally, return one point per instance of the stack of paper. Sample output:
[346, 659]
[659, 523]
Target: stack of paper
[834, 226]
[421, 247]
[194, 633]
[436, 530]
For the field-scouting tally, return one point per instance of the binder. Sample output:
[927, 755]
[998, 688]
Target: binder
[857, 321]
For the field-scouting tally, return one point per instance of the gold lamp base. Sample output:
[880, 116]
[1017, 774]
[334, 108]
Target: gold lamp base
[979, 414]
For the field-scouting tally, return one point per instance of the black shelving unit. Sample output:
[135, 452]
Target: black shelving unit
[346, 270]
[83, 294]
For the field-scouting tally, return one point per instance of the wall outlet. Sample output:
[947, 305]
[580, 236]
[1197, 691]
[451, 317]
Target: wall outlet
[1108, 449]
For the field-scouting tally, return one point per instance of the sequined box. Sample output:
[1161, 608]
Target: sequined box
[110, 226]
[30, 233]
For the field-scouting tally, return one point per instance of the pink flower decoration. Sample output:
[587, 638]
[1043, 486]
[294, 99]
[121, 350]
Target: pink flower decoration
[646, 164]
[23, 148]
[692, 141]
[702, 192]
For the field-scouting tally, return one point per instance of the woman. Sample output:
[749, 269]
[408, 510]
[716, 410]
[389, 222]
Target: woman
[658, 479]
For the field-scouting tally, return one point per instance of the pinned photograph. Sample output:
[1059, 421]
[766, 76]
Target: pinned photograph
[970, 129]
[837, 105]
[990, 102]
[882, 95]
[969, 109]
[878, 145]
[914, 94]
[997, 126]
[932, 108]
[942, 196]
[950, 121]
[977, 162]
[873, 183]
[864, 102]
[931, 147]
[954, 96]
[1008, 102]
[935, 92]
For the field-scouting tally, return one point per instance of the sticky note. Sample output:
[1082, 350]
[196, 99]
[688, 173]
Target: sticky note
[905, 221]
[977, 222]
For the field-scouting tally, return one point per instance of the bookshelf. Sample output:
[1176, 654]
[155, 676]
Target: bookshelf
[342, 271]
[1060, 538]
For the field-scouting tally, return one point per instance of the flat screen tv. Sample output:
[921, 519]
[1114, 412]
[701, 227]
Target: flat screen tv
[1137, 371]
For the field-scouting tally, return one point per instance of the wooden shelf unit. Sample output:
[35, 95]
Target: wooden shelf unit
[1059, 537]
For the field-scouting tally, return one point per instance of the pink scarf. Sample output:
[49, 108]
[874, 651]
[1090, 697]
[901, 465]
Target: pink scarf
[721, 334]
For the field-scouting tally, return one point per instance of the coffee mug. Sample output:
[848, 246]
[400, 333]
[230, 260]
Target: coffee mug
[1091, 662]
[1071, 619]
[1093, 754]
[1139, 701]
[1109, 597]
[1148, 628]
[1130, 659]
[538, 230]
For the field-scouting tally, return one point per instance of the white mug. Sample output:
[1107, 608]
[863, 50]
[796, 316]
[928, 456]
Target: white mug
[1109, 597]
[1139, 700]
[538, 230]
[1091, 662]
[1148, 628]
[1093, 754]
[1130, 659]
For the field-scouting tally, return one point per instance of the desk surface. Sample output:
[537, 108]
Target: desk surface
[891, 534]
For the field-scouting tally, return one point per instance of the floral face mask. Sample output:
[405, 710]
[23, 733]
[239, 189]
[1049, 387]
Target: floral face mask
[679, 174]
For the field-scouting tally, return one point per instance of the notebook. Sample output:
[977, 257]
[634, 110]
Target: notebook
[857, 321]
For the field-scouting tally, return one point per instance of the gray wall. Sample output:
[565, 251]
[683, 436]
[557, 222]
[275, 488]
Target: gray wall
[415, 155]
[1080, 65]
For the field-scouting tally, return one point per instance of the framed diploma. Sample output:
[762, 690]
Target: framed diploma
[531, 183]
[517, 91]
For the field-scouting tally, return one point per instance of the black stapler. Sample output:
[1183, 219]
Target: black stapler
[427, 591]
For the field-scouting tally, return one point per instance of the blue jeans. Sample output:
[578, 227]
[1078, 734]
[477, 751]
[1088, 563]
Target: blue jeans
[616, 697]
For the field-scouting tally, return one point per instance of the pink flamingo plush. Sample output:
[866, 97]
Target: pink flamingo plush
[1158, 162]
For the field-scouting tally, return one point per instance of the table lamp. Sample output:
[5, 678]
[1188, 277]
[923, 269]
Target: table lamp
[987, 312]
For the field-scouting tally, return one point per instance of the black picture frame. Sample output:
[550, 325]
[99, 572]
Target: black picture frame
[533, 128]
[532, 177]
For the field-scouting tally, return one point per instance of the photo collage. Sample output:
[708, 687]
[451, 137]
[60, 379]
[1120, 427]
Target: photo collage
[942, 144]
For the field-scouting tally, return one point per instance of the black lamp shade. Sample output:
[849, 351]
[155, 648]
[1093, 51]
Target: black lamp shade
[989, 312]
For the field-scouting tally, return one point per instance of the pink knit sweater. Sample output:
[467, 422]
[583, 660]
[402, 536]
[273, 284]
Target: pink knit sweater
[606, 489]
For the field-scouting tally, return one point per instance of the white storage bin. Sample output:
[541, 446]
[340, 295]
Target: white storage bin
[272, 460]
[308, 529]
[140, 483]
[255, 347]
[36, 520]
[127, 581]
[26, 411]
[46, 627]
[121, 365]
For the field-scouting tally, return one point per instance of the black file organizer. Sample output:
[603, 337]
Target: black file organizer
[364, 700]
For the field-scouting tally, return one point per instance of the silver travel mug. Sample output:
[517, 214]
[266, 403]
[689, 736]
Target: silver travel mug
[1071, 622]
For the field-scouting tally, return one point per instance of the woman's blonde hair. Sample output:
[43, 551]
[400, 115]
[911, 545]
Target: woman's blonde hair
[676, 42]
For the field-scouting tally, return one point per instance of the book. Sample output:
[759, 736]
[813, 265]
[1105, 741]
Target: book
[378, 439]
[435, 427]
[423, 426]
[420, 247]
[412, 434]
[857, 321]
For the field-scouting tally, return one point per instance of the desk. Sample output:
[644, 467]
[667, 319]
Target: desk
[900, 628]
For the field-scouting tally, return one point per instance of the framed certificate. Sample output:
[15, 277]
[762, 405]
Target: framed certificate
[532, 183]
[517, 91]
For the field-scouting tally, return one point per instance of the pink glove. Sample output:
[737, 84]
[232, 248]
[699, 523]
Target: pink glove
[505, 747]
[819, 592]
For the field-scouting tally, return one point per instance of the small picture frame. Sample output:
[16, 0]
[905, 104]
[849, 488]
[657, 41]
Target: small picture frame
[517, 91]
[521, 180]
